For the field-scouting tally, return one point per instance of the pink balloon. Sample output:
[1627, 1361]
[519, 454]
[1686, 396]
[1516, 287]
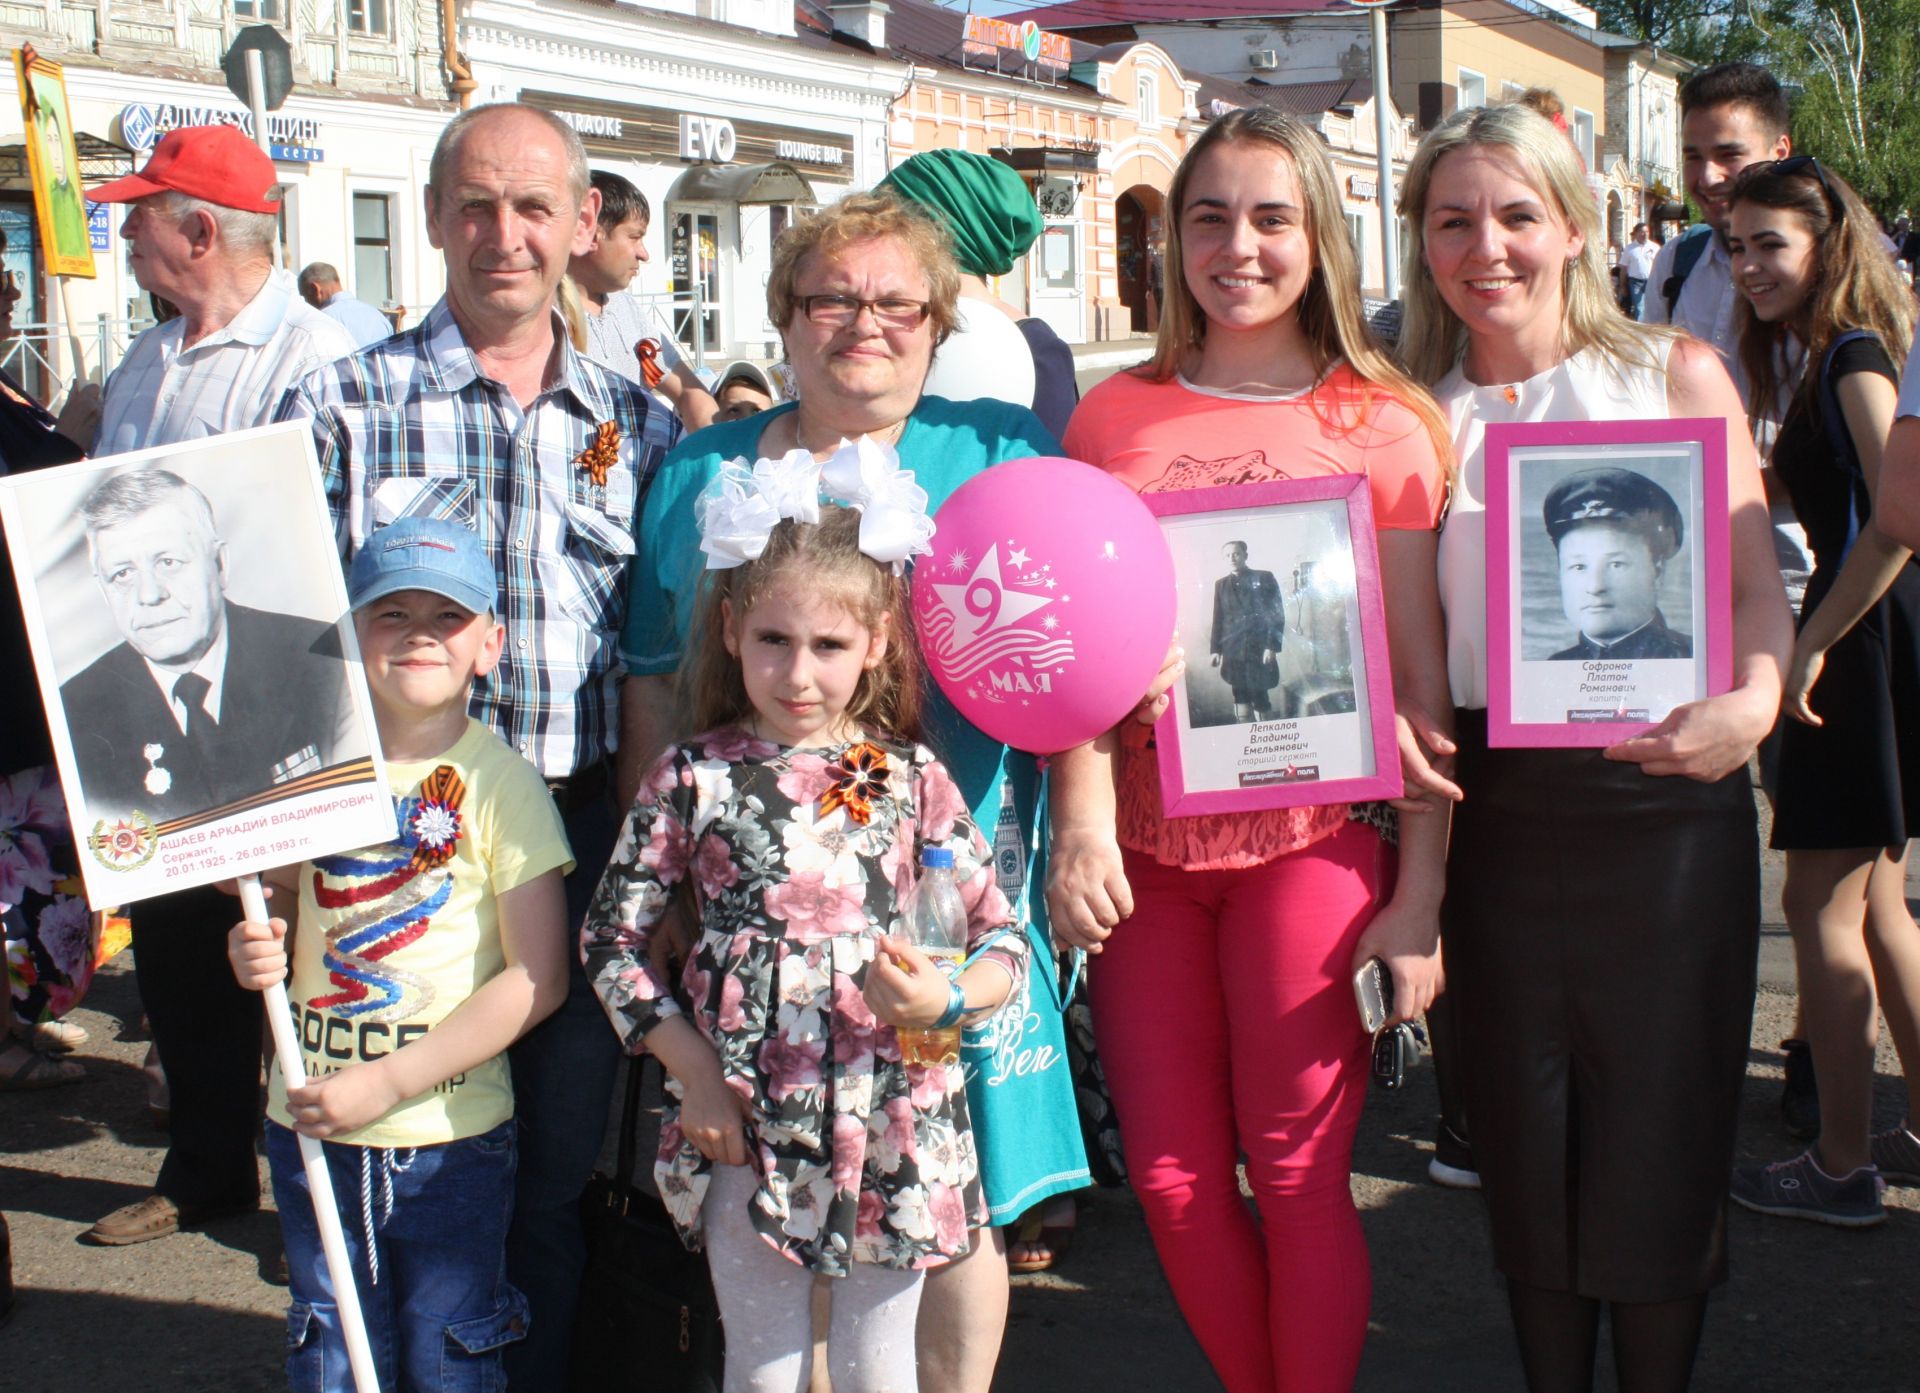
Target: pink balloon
[1047, 605]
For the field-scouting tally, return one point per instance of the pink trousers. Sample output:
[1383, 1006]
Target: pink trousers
[1225, 1017]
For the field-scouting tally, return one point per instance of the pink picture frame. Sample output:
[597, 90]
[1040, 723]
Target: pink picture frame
[1288, 695]
[1622, 527]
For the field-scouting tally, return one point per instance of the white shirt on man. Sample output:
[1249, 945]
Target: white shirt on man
[231, 379]
[615, 338]
[363, 321]
[1639, 258]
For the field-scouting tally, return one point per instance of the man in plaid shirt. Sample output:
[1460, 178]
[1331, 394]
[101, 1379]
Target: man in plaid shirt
[485, 414]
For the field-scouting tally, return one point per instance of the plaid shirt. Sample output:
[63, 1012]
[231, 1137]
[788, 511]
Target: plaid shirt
[410, 427]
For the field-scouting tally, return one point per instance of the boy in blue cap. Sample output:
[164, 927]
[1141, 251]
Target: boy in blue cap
[416, 963]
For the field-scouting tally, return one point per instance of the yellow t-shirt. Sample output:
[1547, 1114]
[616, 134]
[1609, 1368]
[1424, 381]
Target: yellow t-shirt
[392, 938]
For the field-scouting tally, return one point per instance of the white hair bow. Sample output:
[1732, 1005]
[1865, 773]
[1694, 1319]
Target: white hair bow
[738, 510]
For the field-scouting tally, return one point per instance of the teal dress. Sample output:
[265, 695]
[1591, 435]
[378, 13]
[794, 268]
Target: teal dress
[1019, 1090]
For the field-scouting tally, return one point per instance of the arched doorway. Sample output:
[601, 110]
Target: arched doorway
[1136, 227]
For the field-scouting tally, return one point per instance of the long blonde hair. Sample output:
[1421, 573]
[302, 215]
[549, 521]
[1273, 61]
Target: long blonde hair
[821, 560]
[1855, 285]
[1432, 337]
[1332, 316]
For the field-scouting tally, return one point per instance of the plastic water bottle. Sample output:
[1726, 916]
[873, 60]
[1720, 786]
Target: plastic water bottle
[937, 926]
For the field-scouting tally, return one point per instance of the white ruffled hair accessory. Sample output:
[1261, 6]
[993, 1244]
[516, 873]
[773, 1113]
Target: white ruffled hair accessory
[738, 510]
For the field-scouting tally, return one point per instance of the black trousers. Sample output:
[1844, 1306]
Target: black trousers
[208, 1029]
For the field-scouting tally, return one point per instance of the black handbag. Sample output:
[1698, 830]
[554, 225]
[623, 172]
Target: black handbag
[647, 1320]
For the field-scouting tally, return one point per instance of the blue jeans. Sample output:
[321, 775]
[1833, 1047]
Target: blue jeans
[438, 1307]
[1636, 296]
[563, 1074]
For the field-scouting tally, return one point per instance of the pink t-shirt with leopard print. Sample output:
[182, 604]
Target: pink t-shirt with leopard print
[1164, 436]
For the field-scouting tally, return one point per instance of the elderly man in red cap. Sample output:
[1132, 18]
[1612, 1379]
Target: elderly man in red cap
[201, 222]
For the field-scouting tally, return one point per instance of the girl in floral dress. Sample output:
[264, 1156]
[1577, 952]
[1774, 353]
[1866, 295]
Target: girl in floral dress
[800, 1141]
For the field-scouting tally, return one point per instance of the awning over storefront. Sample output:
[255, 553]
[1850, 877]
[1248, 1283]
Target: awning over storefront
[100, 160]
[742, 183]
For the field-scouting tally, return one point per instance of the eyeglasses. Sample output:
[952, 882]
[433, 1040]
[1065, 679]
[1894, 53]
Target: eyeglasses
[1800, 164]
[838, 311]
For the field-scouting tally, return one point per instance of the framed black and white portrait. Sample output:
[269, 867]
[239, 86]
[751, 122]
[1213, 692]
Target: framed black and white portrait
[1287, 698]
[1607, 578]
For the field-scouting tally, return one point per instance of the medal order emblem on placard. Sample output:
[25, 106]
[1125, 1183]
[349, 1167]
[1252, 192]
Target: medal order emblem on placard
[127, 843]
[158, 780]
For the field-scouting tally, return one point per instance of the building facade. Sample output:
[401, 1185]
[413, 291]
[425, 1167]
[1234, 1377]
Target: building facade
[1097, 134]
[731, 118]
[350, 144]
[1641, 151]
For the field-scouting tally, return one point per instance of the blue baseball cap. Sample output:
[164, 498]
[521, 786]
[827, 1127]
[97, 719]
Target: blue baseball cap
[431, 554]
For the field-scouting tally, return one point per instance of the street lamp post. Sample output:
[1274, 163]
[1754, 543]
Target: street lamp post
[1383, 138]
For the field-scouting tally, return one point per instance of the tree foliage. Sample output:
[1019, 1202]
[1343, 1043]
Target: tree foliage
[1682, 26]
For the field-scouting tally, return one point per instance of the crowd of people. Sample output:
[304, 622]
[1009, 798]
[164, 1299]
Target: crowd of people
[646, 646]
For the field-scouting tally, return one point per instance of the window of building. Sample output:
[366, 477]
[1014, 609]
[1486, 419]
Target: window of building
[373, 248]
[1511, 91]
[271, 10]
[1473, 88]
[1357, 234]
[1583, 134]
[1147, 89]
[367, 17]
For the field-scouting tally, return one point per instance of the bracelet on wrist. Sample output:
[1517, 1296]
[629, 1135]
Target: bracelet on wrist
[956, 1008]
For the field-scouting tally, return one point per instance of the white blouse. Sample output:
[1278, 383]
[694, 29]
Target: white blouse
[1585, 387]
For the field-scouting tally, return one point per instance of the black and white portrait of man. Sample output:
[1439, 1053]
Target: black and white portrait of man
[1614, 532]
[1248, 631]
[204, 701]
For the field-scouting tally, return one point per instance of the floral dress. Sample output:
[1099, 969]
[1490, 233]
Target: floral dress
[48, 929]
[799, 859]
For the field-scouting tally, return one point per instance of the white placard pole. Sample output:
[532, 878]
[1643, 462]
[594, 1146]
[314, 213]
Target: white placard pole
[257, 103]
[286, 1049]
[1383, 137]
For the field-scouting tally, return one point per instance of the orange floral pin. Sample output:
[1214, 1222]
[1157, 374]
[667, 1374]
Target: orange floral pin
[858, 779]
[602, 455]
[436, 823]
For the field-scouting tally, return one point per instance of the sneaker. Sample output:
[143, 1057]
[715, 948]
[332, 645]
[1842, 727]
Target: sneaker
[1452, 1163]
[1799, 1189]
[1800, 1098]
[1896, 1155]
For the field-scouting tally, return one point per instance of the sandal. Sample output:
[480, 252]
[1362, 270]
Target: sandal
[36, 1071]
[49, 1037]
[1046, 1244]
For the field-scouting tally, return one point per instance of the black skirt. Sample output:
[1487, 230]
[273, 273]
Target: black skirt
[1855, 781]
[1600, 932]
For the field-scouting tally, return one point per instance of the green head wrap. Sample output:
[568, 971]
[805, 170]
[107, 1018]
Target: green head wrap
[987, 208]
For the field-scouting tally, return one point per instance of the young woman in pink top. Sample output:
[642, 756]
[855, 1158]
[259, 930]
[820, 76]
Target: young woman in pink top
[1222, 999]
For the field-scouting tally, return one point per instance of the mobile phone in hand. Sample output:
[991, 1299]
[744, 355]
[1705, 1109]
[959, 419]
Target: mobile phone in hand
[1373, 994]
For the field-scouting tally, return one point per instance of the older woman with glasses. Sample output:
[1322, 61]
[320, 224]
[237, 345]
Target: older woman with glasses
[864, 293]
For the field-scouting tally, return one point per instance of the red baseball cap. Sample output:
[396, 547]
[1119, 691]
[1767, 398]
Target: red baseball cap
[216, 163]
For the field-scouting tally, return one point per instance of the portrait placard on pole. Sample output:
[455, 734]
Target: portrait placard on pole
[197, 661]
[53, 161]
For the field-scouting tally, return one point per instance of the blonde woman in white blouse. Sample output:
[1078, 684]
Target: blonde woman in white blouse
[1602, 906]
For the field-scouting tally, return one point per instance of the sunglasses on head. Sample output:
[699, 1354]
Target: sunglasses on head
[1800, 164]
